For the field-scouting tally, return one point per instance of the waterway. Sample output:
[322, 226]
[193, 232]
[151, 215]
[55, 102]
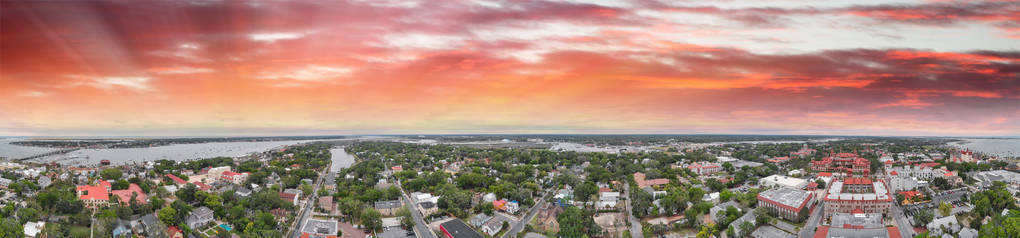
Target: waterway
[341, 159]
[7, 150]
[178, 152]
[996, 147]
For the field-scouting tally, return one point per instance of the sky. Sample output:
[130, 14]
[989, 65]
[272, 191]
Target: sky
[817, 67]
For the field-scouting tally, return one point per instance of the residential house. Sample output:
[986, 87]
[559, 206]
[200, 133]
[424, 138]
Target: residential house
[387, 208]
[199, 217]
[32, 229]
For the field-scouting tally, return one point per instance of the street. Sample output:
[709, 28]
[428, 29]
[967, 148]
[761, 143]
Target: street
[517, 227]
[635, 224]
[812, 222]
[420, 228]
[309, 204]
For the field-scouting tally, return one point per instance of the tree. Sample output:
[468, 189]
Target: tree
[821, 183]
[585, 191]
[940, 183]
[168, 215]
[406, 220]
[575, 222]
[11, 228]
[28, 214]
[745, 228]
[945, 209]
[761, 215]
[213, 201]
[924, 217]
[725, 195]
[371, 219]
[110, 174]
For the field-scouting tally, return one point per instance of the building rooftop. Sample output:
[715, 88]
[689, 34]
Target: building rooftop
[387, 204]
[457, 229]
[881, 193]
[792, 198]
[857, 221]
[316, 226]
[786, 181]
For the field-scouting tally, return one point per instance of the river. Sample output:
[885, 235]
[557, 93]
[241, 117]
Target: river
[178, 152]
[341, 159]
[7, 150]
[996, 147]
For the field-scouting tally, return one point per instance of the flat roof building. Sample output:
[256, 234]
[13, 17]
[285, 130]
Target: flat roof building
[858, 195]
[784, 181]
[786, 202]
[457, 229]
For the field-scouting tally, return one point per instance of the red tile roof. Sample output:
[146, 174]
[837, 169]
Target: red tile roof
[202, 186]
[133, 189]
[176, 179]
[93, 193]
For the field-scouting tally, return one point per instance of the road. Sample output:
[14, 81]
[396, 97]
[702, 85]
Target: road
[635, 224]
[906, 230]
[517, 227]
[420, 228]
[812, 222]
[901, 222]
[309, 203]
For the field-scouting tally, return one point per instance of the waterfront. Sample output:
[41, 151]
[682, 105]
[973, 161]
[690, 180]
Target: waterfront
[7, 150]
[996, 147]
[171, 152]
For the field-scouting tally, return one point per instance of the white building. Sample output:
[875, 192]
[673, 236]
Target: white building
[783, 181]
[608, 199]
[944, 225]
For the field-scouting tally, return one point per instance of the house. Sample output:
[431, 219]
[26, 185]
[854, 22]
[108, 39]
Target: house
[427, 208]
[174, 232]
[199, 217]
[203, 186]
[243, 192]
[122, 229]
[44, 181]
[5, 182]
[32, 229]
[290, 197]
[512, 207]
[233, 177]
[176, 180]
[608, 199]
[146, 223]
[326, 203]
[492, 226]
[388, 208]
[944, 225]
[480, 220]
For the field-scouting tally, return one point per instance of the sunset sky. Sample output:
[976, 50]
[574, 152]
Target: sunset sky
[178, 68]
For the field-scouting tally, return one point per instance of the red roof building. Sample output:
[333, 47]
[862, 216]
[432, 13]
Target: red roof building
[849, 163]
[126, 194]
[202, 186]
[397, 168]
[94, 196]
[176, 179]
[639, 178]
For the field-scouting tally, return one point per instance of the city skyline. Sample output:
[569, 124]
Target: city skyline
[210, 68]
